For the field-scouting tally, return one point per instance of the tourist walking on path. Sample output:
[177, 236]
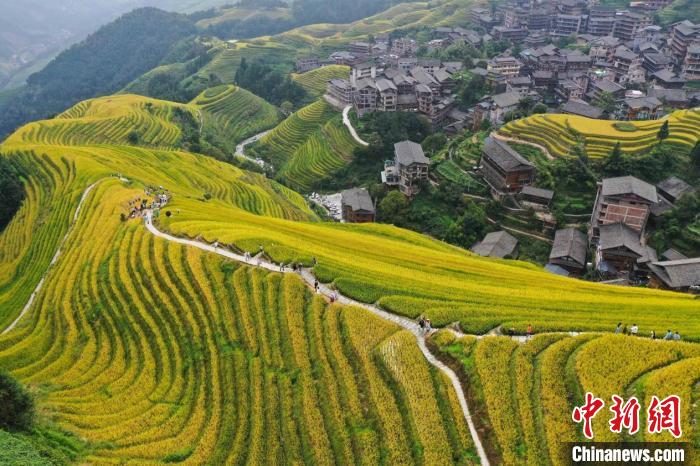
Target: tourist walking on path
[676, 337]
[633, 330]
[669, 335]
[653, 335]
[421, 324]
[618, 329]
[316, 286]
[529, 331]
[313, 262]
[428, 326]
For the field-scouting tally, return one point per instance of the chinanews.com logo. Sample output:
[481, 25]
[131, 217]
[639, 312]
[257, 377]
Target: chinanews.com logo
[662, 415]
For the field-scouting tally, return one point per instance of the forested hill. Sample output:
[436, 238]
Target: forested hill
[102, 64]
[339, 11]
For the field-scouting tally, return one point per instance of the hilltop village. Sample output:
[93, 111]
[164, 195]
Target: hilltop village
[568, 57]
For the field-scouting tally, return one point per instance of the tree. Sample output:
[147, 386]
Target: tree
[16, 404]
[133, 137]
[695, 155]
[525, 104]
[433, 143]
[287, 107]
[606, 102]
[11, 192]
[539, 108]
[663, 132]
[470, 227]
[615, 164]
[392, 209]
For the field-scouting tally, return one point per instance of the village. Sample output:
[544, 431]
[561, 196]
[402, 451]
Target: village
[568, 57]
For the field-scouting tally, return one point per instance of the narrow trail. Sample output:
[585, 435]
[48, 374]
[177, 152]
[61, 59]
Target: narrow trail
[240, 148]
[520, 232]
[544, 150]
[326, 291]
[39, 285]
[348, 124]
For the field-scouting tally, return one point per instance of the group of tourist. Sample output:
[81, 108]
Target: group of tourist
[424, 324]
[622, 329]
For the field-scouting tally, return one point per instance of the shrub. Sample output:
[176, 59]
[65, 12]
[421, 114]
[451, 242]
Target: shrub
[625, 126]
[16, 404]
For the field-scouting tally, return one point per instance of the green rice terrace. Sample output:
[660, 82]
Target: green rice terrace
[560, 133]
[308, 146]
[316, 81]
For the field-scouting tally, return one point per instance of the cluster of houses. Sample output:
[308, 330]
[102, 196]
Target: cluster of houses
[423, 86]
[533, 22]
[623, 208]
[624, 50]
[614, 55]
[614, 52]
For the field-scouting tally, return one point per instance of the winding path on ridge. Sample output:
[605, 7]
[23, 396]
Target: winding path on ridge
[351, 128]
[53, 260]
[310, 279]
[326, 291]
[240, 148]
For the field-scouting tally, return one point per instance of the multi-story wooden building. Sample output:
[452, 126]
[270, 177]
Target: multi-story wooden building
[625, 200]
[357, 206]
[504, 169]
[411, 165]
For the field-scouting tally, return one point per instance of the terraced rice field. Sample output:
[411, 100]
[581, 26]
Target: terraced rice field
[234, 114]
[228, 113]
[279, 145]
[410, 274]
[411, 15]
[315, 81]
[227, 60]
[559, 133]
[155, 352]
[308, 146]
[327, 150]
[525, 393]
[108, 120]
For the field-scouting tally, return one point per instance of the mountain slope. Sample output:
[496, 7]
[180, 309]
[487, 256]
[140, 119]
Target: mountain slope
[155, 351]
[221, 117]
[166, 353]
[102, 64]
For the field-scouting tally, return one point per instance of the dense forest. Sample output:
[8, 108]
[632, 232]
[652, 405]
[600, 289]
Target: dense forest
[102, 64]
[270, 84]
[11, 192]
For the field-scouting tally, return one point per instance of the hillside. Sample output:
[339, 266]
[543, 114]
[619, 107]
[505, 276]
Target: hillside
[307, 147]
[151, 325]
[559, 133]
[102, 64]
[679, 10]
[156, 351]
[526, 392]
[217, 119]
[316, 81]
[281, 50]
[231, 114]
